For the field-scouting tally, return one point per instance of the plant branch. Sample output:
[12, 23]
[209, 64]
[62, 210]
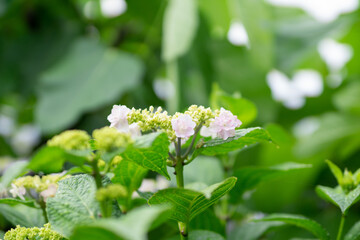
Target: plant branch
[98, 181]
[341, 227]
[197, 129]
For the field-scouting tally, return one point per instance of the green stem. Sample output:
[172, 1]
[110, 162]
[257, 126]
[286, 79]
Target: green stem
[43, 208]
[197, 129]
[341, 227]
[173, 75]
[98, 181]
[179, 169]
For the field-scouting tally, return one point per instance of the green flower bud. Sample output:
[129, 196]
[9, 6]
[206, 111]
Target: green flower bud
[44, 233]
[110, 192]
[348, 182]
[37, 183]
[71, 140]
[108, 139]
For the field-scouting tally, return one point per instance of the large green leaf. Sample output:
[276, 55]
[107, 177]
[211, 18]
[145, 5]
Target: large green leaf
[12, 172]
[188, 203]
[252, 230]
[354, 232]
[207, 220]
[150, 151]
[22, 215]
[244, 109]
[73, 204]
[242, 139]
[88, 77]
[129, 174]
[338, 197]
[205, 235]
[15, 201]
[133, 226]
[300, 221]
[179, 28]
[250, 177]
[52, 159]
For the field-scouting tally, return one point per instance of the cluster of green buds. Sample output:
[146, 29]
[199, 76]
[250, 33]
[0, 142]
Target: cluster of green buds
[44, 233]
[46, 185]
[111, 192]
[218, 123]
[347, 180]
[71, 140]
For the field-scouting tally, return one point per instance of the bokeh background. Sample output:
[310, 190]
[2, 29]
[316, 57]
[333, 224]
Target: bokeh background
[294, 63]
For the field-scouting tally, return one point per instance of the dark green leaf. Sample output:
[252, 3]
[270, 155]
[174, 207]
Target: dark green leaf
[335, 171]
[188, 203]
[338, 197]
[133, 226]
[204, 235]
[252, 230]
[354, 232]
[22, 215]
[150, 151]
[242, 139]
[250, 177]
[300, 221]
[88, 77]
[15, 201]
[73, 204]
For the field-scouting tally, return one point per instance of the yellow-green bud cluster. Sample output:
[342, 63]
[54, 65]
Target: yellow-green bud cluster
[44, 233]
[149, 120]
[349, 180]
[37, 183]
[108, 139]
[71, 140]
[200, 114]
[110, 192]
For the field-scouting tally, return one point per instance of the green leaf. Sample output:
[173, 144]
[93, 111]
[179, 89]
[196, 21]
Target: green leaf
[177, 38]
[338, 197]
[250, 177]
[22, 215]
[335, 171]
[244, 109]
[129, 174]
[13, 171]
[348, 98]
[133, 226]
[52, 159]
[252, 230]
[15, 201]
[88, 77]
[300, 221]
[204, 235]
[150, 151]
[242, 139]
[354, 232]
[187, 203]
[207, 220]
[73, 204]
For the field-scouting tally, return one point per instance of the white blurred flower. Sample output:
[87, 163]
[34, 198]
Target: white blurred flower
[321, 10]
[237, 35]
[17, 191]
[207, 132]
[49, 192]
[135, 130]
[25, 139]
[7, 125]
[118, 118]
[183, 126]
[335, 54]
[113, 8]
[164, 89]
[292, 93]
[306, 127]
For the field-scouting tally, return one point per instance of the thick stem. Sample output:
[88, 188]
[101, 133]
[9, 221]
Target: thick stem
[43, 208]
[341, 227]
[98, 181]
[179, 170]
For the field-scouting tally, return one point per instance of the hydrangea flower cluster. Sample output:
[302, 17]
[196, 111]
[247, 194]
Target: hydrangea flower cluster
[110, 192]
[46, 186]
[71, 140]
[108, 139]
[44, 233]
[220, 123]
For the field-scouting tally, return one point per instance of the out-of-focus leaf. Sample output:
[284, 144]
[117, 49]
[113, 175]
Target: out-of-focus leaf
[15, 201]
[88, 77]
[150, 151]
[12, 172]
[22, 215]
[252, 230]
[250, 177]
[354, 232]
[133, 226]
[204, 235]
[52, 159]
[188, 203]
[73, 204]
[244, 109]
[300, 221]
[207, 220]
[335, 171]
[242, 139]
[348, 98]
[179, 28]
[338, 197]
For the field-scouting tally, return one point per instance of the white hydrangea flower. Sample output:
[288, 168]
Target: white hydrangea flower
[135, 130]
[183, 126]
[118, 118]
[49, 192]
[224, 125]
[17, 191]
